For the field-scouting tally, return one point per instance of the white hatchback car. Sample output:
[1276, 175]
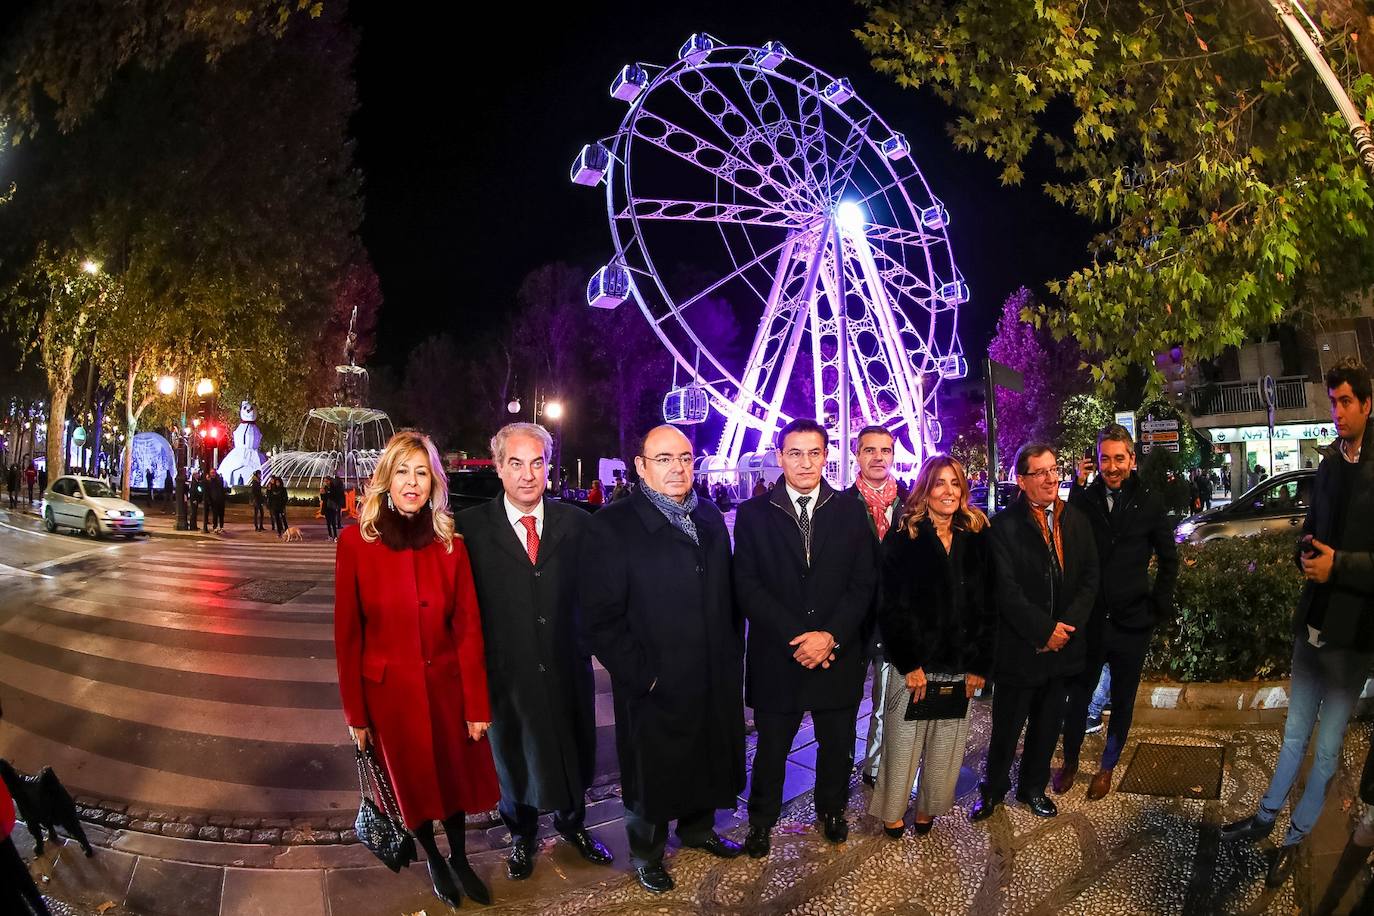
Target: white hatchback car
[89, 504]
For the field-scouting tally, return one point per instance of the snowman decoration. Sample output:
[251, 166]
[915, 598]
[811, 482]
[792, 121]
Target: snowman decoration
[246, 457]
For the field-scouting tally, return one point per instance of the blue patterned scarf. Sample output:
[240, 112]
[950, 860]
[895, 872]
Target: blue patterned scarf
[679, 514]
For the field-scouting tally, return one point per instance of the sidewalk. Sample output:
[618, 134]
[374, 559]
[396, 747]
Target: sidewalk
[1129, 853]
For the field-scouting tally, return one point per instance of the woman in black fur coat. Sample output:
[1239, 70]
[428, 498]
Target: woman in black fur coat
[938, 622]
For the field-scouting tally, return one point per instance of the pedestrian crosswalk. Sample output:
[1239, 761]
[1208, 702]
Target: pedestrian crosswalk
[141, 676]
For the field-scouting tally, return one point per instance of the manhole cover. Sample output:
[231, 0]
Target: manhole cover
[272, 591]
[1175, 770]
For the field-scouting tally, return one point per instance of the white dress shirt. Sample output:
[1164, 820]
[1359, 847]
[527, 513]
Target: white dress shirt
[515, 515]
[810, 506]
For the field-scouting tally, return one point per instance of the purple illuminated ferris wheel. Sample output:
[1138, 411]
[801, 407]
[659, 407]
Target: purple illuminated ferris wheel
[811, 221]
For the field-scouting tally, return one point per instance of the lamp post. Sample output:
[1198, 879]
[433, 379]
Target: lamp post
[553, 412]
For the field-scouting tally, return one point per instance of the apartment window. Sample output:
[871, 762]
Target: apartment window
[1333, 346]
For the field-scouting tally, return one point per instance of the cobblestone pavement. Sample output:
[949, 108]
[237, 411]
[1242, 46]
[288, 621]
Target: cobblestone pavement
[1127, 854]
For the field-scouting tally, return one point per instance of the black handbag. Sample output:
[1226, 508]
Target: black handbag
[379, 825]
[943, 700]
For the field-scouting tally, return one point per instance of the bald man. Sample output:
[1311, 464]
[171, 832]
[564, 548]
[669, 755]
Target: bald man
[658, 613]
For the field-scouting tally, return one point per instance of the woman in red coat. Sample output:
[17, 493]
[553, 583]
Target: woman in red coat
[408, 639]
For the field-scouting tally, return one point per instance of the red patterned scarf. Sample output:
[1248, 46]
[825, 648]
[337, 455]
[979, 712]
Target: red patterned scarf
[878, 500]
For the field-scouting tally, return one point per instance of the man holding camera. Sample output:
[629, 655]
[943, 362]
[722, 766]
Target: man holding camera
[1333, 629]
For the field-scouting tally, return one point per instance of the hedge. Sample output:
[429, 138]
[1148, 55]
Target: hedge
[1233, 611]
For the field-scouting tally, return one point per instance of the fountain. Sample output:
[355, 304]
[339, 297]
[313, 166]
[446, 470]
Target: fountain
[345, 440]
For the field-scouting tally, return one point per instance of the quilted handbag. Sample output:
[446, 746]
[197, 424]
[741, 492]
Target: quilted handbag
[379, 825]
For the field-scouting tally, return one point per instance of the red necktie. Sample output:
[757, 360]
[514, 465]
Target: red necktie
[531, 537]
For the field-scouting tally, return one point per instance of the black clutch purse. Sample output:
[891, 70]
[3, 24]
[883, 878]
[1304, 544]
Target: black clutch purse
[943, 700]
[379, 825]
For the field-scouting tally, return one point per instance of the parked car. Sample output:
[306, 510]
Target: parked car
[1006, 492]
[90, 505]
[472, 487]
[1276, 504]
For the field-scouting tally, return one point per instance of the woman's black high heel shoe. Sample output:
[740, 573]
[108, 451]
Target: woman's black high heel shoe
[473, 886]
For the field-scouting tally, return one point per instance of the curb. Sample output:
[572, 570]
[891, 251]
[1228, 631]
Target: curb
[1228, 702]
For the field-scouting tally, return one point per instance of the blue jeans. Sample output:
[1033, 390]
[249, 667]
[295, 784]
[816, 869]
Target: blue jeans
[1101, 695]
[1326, 684]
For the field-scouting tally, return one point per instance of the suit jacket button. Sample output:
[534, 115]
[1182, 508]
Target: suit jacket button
[424, 604]
[541, 620]
[428, 662]
[536, 574]
[541, 669]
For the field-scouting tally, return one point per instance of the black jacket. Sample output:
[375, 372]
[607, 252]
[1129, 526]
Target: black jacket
[1126, 538]
[920, 622]
[1349, 619]
[875, 644]
[1031, 598]
[539, 674]
[783, 596]
[657, 610]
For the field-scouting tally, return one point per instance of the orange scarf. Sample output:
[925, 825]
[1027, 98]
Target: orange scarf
[1057, 539]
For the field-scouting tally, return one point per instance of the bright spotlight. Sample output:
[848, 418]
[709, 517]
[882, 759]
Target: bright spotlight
[167, 384]
[205, 388]
[850, 216]
[553, 410]
[90, 267]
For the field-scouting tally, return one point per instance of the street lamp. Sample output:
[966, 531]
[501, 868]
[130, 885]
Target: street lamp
[167, 385]
[205, 388]
[90, 267]
[514, 406]
[554, 410]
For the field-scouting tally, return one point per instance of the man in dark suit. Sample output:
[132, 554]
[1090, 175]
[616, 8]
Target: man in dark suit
[1130, 525]
[524, 553]
[1047, 577]
[882, 496]
[805, 574]
[658, 612]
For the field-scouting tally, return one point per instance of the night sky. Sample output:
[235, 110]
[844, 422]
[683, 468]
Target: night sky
[467, 128]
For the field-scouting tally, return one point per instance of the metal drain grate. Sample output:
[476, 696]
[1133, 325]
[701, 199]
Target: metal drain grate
[272, 591]
[1175, 771]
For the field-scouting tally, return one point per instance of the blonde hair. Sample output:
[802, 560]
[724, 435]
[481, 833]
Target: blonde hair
[405, 443]
[917, 506]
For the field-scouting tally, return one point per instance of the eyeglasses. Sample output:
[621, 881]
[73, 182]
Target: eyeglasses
[1043, 473]
[795, 454]
[667, 461]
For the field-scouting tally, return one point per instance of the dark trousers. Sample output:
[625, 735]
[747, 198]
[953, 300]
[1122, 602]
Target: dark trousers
[219, 515]
[647, 838]
[523, 820]
[258, 516]
[331, 521]
[1123, 651]
[18, 894]
[279, 521]
[1039, 710]
[195, 512]
[834, 760]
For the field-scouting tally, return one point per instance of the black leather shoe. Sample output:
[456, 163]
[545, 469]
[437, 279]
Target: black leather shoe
[720, 847]
[520, 862]
[1281, 863]
[1039, 805]
[835, 827]
[894, 833]
[757, 842]
[442, 879]
[1247, 828]
[472, 885]
[983, 808]
[592, 849]
[654, 879]
[923, 827]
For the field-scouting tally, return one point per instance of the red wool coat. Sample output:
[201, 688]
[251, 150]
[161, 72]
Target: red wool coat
[408, 640]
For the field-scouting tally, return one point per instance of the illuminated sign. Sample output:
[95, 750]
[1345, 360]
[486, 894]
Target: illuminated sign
[1225, 434]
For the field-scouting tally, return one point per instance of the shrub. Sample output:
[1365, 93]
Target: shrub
[1233, 611]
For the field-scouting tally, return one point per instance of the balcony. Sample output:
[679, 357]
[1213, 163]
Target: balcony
[1244, 397]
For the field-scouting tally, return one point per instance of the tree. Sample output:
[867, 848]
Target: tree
[1228, 191]
[433, 373]
[1080, 420]
[1052, 370]
[221, 202]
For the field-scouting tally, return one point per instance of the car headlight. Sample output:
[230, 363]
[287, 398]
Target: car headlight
[1185, 530]
[111, 513]
[138, 513]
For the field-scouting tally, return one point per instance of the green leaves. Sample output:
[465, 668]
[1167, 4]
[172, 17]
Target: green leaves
[1225, 184]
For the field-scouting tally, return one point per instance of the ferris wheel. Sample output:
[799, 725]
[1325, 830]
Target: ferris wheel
[745, 181]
